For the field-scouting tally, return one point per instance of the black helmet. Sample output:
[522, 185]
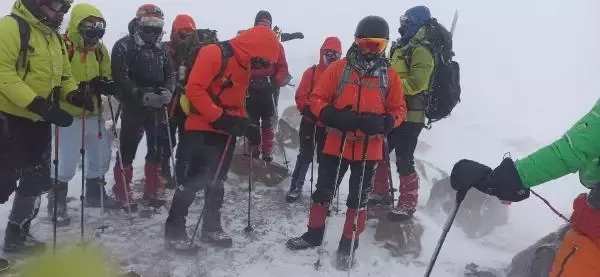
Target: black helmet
[372, 27]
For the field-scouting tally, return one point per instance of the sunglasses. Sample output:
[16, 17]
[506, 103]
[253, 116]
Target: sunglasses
[151, 30]
[332, 55]
[92, 30]
[372, 45]
[59, 6]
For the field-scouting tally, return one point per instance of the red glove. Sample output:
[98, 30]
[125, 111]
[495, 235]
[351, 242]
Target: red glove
[585, 219]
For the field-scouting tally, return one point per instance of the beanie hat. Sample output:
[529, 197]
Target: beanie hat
[263, 18]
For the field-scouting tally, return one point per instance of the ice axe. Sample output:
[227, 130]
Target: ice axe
[460, 196]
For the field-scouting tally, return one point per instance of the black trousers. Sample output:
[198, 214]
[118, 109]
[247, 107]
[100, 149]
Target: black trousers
[326, 186]
[204, 151]
[307, 147]
[403, 140]
[261, 103]
[133, 126]
[24, 155]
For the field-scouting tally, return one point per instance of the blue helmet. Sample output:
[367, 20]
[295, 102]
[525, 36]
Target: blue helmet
[412, 20]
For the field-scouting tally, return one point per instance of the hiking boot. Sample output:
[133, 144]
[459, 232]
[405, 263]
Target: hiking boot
[62, 217]
[293, 196]
[407, 202]
[345, 258]
[17, 237]
[96, 197]
[212, 231]
[311, 239]
[218, 238]
[176, 238]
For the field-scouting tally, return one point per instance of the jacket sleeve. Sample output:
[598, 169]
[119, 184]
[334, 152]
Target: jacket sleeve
[126, 92]
[68, 83]
[281, 67]
[206, 67]
[325, 89]
[418, 76]
[105, 66]
[567, 155]
[12, 87]
[303, 88]
[395, 104]
[170, 74]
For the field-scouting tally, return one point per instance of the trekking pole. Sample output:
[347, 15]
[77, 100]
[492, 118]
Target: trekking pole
[360, 194]
[320, 250]
[249, 227]
[275, 114]
[171, 146]
[55, 204]
[386, 153]
[119, 158]
[215, 177]
[82, 152]
[460, 196]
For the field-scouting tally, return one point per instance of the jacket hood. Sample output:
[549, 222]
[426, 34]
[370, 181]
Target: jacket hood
[417, 17]
[259, 41]
[79, 13]
[19, 8]
[330, 43]
[182, 21]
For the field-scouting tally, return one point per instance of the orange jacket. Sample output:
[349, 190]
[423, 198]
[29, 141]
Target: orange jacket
[578, 256]
[312, 75]
[259, 41]
[371, 100]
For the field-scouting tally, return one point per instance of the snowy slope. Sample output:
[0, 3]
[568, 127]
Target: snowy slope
[528, 71]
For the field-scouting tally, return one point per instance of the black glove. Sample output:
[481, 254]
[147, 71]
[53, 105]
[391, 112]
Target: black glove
[104, 86]
[81, 98]
[344, 119]
[234, 125]
[253, 133]
[503, 182]
[306, 111]
[291, 36]
[50, 112]
[374, 124]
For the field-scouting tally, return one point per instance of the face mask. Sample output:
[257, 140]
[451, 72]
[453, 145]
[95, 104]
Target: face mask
[330, 57]
[150, 34]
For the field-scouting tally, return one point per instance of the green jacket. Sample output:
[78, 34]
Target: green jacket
[48, 65]
[577, 150]
[84, 62]
[416, 76]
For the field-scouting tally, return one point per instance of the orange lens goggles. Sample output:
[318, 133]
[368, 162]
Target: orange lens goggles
[372, 45]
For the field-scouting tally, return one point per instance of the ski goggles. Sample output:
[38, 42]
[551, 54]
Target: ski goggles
[151, 21]
[332, 55]
[59, 6]
[185, 33]
[372, 45]
[151, 30]
[92, 29]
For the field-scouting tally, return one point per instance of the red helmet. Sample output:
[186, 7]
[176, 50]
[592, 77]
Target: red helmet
[150, 15]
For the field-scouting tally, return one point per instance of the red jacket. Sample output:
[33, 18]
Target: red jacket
[259, 41]
[312, 75]
[371, 100]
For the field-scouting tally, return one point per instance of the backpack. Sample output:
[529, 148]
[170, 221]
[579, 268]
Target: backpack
[190, 47]
[444, 90]
[226, 54]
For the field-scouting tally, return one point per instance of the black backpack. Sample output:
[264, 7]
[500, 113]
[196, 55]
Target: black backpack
[444, 90]
[190, 48]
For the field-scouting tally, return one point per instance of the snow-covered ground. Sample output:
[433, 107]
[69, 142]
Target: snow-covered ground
[528, 72]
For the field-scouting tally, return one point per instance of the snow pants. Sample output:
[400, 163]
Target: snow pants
[205, 151]
[262, 103]
[97, 148]
[24, 156]
[308, 136]
[326, 186]
[133, 126]
[403, 140]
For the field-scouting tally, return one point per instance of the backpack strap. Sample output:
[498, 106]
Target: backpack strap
[24, 35]
[343, 82]
[312, 80]
[69, 46]
[383, 83]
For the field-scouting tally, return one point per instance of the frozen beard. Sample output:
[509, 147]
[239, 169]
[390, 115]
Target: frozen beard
[149, 31]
